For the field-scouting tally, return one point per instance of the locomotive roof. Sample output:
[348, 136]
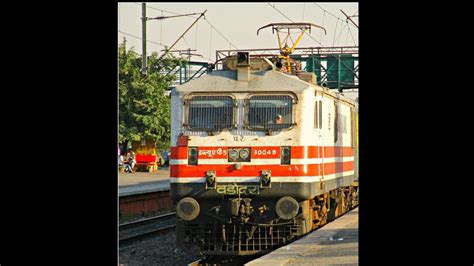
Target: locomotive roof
[260, 81]
[226, 80]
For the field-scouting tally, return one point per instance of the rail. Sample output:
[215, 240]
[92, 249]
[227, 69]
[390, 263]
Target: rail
[143, 227]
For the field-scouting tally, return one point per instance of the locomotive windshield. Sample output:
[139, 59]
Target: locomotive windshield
[210, 113]
[270, 112]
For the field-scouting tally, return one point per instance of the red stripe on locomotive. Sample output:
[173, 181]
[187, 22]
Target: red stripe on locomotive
[255, 170]
[267, 152]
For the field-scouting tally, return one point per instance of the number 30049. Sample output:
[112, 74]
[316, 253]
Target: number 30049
[264, 152]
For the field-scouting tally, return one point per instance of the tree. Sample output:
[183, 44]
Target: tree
[144, 109]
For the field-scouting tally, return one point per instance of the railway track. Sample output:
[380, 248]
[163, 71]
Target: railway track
[133, 231]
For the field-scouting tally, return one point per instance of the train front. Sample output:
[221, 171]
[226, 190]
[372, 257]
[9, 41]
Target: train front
[235, 176]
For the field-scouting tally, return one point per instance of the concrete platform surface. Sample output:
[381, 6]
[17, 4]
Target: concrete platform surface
[336, 243]
[142, 182]
[126, 179]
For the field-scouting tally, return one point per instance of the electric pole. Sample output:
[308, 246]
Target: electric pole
[144, 18]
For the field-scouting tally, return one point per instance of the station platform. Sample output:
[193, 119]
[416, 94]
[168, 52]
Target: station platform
[336, 243]
[143, 182]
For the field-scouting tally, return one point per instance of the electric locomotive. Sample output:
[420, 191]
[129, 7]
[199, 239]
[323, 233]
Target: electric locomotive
[260, 155]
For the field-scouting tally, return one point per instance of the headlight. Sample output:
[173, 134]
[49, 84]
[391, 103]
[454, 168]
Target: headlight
[187, 209]
[239, 154]
[233, 154]
[244, 154]
[287, 208]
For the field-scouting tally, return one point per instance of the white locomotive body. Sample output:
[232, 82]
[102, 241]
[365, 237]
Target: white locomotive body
[258, 155]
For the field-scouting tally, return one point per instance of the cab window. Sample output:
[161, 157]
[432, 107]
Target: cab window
[270, 112]
[209, 113]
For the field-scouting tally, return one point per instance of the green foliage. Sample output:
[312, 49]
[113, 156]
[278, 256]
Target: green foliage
[144, 109]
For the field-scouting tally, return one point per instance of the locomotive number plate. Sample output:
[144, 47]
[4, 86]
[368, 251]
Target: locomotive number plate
[235, 190]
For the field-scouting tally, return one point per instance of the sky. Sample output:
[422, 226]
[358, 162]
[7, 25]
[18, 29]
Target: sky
[234, 25]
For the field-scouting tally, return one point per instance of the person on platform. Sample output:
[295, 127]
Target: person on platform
[166, 158]
[130, 161]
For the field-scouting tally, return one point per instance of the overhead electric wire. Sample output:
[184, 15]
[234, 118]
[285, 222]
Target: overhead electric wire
[196, 38]
[189, 46]
[204, 19]
[293, 22]
[280, 12]
[160, 44]
[128, 34]
[186, 42]
[340, 32]
[304, 7]
[335, 30]
[321, 37]
[347, 35]
[210, 43]
[222, 35]
[210, 24]
[161, 29]
[162, 10]
[329, 12]
[352, 37]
